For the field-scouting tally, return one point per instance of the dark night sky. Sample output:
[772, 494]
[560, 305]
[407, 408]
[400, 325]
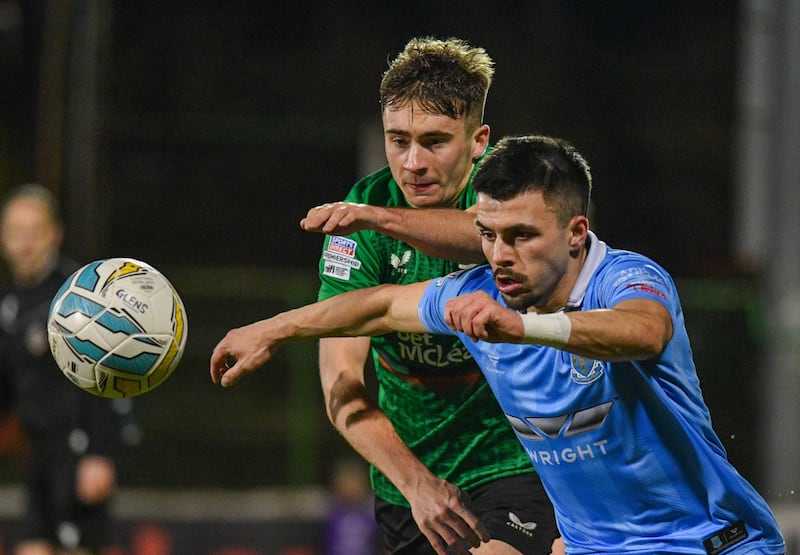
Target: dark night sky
[226, 124]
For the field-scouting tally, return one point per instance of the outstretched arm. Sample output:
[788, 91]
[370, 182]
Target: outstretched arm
[445, 233]
[633, 329]
[438, 507]
[369, 311]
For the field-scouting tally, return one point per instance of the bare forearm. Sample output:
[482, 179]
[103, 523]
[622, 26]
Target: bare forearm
[369, 311]
[444, 233]
[632, 330]
[437, 506]
[370, 432]
[362, 312]
[352, 410]
[616, 335]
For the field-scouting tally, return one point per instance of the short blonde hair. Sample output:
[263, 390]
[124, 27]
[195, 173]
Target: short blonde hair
[446, 77]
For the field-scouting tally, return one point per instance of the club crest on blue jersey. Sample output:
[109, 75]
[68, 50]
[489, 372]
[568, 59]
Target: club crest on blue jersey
[585, 370]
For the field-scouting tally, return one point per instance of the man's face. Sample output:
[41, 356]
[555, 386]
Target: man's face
[430, 156]
[30, 239]
[529, 252]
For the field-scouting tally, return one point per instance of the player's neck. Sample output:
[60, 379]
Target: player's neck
[558, 301]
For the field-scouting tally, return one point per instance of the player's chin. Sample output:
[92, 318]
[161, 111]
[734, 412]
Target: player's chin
[425, 197]
[516, 302]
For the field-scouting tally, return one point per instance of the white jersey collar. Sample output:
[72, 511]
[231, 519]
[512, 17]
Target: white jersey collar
[596, 254]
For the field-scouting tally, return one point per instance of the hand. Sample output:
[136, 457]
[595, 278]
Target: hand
[340, 218]
[95, 480]
[440, 511]
[240, 352]
[482, 318]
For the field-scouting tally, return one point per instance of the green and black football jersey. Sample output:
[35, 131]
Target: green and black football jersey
[428, 385]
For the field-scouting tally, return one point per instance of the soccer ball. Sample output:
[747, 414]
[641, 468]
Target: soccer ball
[117, 328]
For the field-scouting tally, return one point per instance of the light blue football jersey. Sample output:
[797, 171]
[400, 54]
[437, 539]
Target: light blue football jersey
[626, 450]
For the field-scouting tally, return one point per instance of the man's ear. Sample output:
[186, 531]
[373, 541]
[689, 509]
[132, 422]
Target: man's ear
[578, 232]
[480, 141]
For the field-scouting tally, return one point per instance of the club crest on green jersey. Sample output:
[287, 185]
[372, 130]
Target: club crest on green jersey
[398, 262]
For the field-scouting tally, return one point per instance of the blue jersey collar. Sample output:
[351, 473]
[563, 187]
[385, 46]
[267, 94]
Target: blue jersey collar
[596, 254]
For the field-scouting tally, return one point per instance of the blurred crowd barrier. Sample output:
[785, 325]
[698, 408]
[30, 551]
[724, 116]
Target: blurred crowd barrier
[214, 522]
[282, 521]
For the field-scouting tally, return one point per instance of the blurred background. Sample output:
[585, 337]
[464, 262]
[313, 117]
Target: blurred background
[194, 135]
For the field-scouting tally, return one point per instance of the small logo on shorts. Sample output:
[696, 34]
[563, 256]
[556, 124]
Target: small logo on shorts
[723, 539]
[526, 528]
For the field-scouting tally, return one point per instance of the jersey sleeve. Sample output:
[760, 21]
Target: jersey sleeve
[355, 261]
[348, 263]
[636, 277]
[431, 307]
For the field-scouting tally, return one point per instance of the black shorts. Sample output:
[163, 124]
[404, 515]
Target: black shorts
[53, 512]
[514, 510]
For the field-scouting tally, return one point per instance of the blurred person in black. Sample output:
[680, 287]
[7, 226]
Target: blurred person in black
[73, 435]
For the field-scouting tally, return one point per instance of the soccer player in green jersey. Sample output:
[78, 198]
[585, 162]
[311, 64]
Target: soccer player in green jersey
[447, 470]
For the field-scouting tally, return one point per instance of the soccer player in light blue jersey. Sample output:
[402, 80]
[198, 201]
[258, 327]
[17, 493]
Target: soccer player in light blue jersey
[584, 347]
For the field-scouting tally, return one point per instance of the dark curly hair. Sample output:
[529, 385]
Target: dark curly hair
[537, 163]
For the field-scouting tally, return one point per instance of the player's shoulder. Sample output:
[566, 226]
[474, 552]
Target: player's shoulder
[621, 260]
[630, 273]
[467, 280]
[377, 189]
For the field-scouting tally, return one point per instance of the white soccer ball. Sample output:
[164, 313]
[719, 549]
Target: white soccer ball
[117, 328]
